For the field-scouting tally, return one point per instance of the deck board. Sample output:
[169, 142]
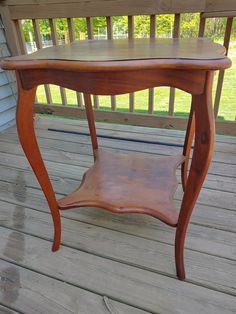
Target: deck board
[135, 286]
[128, 258]
[31, 292]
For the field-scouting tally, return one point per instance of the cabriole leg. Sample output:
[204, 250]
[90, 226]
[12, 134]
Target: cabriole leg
[187, 147]
[203, 148]
[25, 128]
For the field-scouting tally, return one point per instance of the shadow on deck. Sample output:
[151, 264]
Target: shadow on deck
[110, 263]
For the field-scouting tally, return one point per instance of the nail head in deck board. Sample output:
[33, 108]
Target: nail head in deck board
[31, 292]
[121, 282]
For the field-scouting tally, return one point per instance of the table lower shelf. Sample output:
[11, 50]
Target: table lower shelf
[129, 183]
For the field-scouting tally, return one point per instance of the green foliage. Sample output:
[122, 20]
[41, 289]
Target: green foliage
[141, 26]
[165, 22]
[189, 25]
[27, 28]
[215, 28]
[45, 29]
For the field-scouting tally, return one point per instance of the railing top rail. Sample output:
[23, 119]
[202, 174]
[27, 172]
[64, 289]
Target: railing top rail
[23, 9]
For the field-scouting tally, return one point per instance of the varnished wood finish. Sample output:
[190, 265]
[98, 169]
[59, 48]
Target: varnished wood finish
[202, 154]
[102, 55]
[25, 128]
[122, 81]
[187, 147]
[91, 123]
[127, 183]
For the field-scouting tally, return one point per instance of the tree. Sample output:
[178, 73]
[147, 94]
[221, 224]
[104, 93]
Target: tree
[189, 26]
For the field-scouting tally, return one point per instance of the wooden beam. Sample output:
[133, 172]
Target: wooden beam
[109, 23]
[151, 90]
[224, 127]
[220, 14]
[176, 33]
[219, 5]
[220, 81]
[83, 8]
[89, 22]
[52, 24]
[10, 31]
[71, 30]
[20, 36]
[202, 26]
[131, 36]
[38, 40]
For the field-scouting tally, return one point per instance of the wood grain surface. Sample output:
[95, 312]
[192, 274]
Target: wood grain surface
[130, 183]
[102, 54]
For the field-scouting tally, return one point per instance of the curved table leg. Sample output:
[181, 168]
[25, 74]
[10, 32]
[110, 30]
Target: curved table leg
[91, 122]
[187, 147]
[25, 128]
[203, 148]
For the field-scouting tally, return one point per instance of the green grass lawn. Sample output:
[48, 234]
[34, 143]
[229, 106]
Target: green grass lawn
[182, 101]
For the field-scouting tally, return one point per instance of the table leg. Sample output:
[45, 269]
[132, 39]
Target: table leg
[202, 153]
[187, 147]
[26, 133]
[91, 122]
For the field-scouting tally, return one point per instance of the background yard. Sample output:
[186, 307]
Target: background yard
[182, 101]
[188, 28]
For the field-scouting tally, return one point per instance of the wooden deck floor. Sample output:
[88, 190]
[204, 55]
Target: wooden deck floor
[108, 263]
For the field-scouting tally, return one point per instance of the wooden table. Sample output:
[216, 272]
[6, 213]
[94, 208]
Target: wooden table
[126, 183]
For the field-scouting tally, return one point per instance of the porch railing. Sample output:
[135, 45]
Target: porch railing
[14, 11]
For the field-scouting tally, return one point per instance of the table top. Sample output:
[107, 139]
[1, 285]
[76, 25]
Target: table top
[198, 53]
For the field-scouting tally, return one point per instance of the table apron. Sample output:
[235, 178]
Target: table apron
[115, 83]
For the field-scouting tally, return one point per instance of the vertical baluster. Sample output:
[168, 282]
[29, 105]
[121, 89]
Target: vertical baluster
[176, 32]
[71, 30]
[222, 72]
[110, 36]
[39, 45]
[52, 24]
[10, 30]
[109, 27]
[202, 26]
[151, 90]
[21, 40]
[131, 36]
[20, 36]
[89, 22]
